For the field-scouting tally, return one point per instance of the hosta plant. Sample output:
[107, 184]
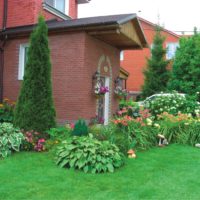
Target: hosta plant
[89, 154]
[10, 139]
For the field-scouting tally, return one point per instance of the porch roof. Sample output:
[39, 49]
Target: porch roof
[122, 31]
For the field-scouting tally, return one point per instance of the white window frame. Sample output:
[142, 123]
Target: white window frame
[121, 55]
[21, 66]
[176, 45]
[65, 9]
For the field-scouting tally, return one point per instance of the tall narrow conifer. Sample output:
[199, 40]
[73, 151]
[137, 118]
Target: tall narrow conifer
[35, 109]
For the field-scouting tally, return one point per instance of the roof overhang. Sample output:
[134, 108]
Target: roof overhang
[120, 31]
[128, 35]
[123, 73]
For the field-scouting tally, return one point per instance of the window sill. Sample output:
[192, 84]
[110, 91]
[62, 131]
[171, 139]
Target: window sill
[55, 11]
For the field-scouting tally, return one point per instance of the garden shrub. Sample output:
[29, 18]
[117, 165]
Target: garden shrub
[182, 129]
[34, 141]
[35, 108]
[57, 135]
[89, 154]
[10, 139]
[129, 108]
[7, 111]
[172, 104]
[97, 131]
[80, 128]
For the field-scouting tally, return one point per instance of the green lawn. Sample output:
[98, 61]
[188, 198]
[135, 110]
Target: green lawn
[161, 173]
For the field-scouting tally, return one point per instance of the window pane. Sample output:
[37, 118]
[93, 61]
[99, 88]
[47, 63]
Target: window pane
[121, 55]
[60, 5]
[171, 50]
[50, 2]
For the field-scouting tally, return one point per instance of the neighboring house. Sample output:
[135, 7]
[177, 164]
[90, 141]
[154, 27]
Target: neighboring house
[83, 51]
[135, 61]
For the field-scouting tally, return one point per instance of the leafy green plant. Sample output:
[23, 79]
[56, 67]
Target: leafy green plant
[89, 154]
[80, 128]
[7, 111]
[57, 135]
[10, 139]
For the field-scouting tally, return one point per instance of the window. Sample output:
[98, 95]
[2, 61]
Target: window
[121, 55]
[23, 50]
[171, 49]
[61, 5]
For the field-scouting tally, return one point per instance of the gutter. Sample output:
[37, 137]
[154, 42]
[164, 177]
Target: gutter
[2, 45]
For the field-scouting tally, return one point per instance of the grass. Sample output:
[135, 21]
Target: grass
[168, 173]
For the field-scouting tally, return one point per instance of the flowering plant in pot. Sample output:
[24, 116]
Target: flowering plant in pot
[120, 92]
[100, 90]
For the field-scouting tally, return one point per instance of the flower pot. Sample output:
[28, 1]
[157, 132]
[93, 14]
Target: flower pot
[99, 96]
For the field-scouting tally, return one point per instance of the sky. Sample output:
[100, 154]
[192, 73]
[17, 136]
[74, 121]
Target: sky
[175, 15]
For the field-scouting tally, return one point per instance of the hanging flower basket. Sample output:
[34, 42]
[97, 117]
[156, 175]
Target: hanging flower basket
[120, 93]
[100, 90]
[99, 96]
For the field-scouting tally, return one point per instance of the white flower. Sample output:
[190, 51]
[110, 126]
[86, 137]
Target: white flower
[157, 125]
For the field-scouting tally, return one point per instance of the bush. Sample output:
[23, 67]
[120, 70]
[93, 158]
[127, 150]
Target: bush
[129, 108]
[35, 108]
[89, 154]
[10, 139]
[57, 135]
[33, 141]
[172, 104]
[7, 111]
[182, 129]
[80, 128]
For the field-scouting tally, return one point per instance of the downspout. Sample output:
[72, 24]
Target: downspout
[2, 45]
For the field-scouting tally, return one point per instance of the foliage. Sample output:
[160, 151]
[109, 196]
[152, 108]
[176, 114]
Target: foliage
[97, 131]
[57, 135]
[96, 120]
[10, 139]
[89, 155]
[7, 111]
[172, 104]
[33, 141]
[34, 108]
[186, 71]
[80, 128]
[120, 92]
[156, 73]
[128, 107]
[182, 129]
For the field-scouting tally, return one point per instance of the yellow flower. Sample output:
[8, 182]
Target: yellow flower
[1, 105]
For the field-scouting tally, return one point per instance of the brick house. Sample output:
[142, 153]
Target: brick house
[83, 51]
[135, 61]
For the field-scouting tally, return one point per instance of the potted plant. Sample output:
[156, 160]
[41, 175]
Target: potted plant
[120, 93]
[100, 90]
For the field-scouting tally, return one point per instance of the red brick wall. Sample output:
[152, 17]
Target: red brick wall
[74, 61]
[135, 60]
[73, 9]
[1, 14]
[25, 12]
[94, 49]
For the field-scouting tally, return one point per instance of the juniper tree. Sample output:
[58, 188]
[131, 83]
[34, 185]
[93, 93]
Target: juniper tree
[35, 109]
[156, 74]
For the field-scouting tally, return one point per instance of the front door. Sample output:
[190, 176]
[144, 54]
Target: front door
[103, 104]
